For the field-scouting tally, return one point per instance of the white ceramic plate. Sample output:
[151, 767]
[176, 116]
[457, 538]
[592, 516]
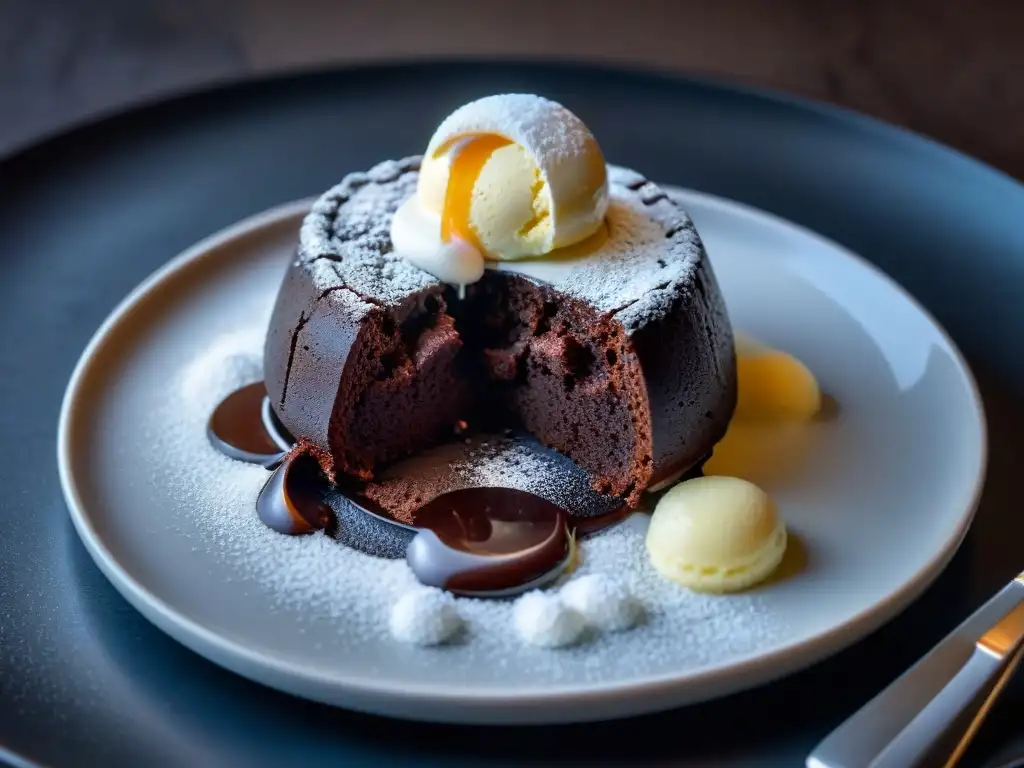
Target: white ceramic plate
[878, 503]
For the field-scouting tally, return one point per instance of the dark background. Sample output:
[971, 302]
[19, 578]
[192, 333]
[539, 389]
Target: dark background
[947, 68]
[950, 70]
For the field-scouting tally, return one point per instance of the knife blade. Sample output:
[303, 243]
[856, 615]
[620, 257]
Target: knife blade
[874, 727]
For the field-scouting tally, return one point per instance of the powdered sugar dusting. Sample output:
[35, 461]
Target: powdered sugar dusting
[346, 237]
[425, 616]
[651, 258]
[314, 579]
[555, 133]
[542, 619]
[635, 272]
[500, 461]
[603, 600]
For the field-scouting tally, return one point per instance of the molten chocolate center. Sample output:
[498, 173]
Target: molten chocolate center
[477, 540]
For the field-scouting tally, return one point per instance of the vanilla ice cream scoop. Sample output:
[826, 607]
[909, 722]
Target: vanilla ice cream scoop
[716, 534]
[518, 174]
[514, 176]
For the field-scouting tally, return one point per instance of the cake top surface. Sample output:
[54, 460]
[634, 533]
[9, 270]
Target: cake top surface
[647, 261]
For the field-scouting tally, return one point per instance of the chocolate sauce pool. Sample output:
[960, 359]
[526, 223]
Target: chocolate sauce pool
[474, 541]
[488, 539]
[244, 427]
[292, 501]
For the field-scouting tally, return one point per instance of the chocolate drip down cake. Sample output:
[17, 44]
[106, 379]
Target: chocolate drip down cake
[507, 279]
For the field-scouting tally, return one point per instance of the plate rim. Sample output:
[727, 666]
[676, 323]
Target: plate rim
[494, 704]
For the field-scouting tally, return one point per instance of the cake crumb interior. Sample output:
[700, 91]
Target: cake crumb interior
[511, 354]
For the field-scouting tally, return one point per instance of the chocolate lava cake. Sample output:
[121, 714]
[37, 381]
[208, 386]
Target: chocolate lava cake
[621, 360]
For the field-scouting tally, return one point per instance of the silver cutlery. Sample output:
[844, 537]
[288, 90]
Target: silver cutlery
[899, 727]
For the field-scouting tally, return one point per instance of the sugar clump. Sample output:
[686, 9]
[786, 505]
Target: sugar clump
[425, 616]
[542, 619]
[606, 603]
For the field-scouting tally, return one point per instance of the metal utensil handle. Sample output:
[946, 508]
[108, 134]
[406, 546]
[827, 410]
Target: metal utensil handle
[865, 734]
[915, 741]
[1007, 674]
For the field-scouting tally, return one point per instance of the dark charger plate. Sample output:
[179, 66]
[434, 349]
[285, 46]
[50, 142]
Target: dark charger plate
[84, 217]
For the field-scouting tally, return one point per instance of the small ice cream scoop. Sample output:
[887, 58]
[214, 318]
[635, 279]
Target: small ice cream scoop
[773, 385]
[716, 534]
